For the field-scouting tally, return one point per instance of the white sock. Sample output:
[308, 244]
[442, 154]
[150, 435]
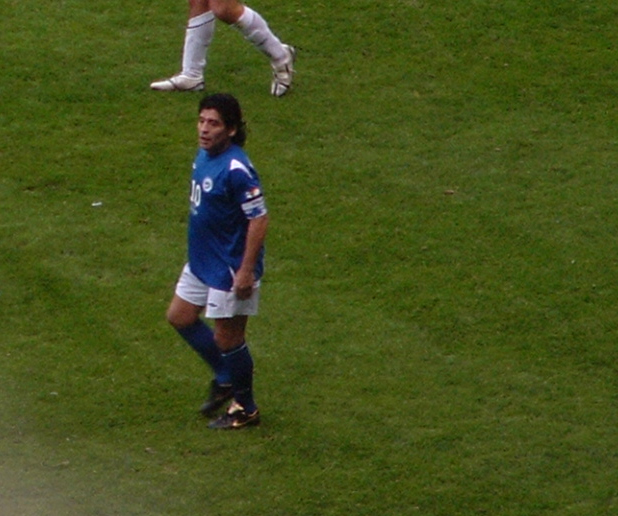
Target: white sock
[256, 30]
[198, 36]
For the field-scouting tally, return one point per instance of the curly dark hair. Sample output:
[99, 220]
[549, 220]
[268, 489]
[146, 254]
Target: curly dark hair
[229, 109]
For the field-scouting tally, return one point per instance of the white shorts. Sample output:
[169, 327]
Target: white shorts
[220, 304]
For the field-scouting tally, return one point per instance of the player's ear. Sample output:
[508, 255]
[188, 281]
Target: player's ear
[232, 132]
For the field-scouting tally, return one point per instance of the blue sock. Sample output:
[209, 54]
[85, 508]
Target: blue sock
[201, 338]
[240, 365]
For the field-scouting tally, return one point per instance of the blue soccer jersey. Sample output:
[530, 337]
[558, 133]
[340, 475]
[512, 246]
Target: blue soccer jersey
[225, 194]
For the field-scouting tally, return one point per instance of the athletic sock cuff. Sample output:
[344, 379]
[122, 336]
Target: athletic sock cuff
[246, 18]
[200, 19]
[235, 350]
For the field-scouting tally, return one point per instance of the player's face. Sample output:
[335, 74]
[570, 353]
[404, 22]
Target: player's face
[212, 134]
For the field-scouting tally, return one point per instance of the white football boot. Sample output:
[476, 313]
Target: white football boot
[179, 83]
[282, 73]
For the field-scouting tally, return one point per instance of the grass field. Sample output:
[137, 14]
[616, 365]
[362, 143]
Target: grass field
[438, 328]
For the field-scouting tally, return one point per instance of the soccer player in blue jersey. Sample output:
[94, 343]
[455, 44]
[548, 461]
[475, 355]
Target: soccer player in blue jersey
[228, 221]
[200, 32]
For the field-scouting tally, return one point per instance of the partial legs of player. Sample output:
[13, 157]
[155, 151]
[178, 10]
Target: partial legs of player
[199, 35]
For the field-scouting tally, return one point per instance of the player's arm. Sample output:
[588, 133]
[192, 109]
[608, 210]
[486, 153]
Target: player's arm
[245, 275]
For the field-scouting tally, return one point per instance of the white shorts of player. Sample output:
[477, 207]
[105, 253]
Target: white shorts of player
[220, 304]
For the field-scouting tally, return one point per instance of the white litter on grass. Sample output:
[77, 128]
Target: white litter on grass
[97, 204]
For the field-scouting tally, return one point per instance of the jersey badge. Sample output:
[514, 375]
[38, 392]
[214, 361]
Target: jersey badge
[207, 184]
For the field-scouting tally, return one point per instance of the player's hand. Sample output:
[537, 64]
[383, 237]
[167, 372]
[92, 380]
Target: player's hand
[243, 284]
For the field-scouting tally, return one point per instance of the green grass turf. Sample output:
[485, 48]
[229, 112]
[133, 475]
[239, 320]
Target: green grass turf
[437, 334]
